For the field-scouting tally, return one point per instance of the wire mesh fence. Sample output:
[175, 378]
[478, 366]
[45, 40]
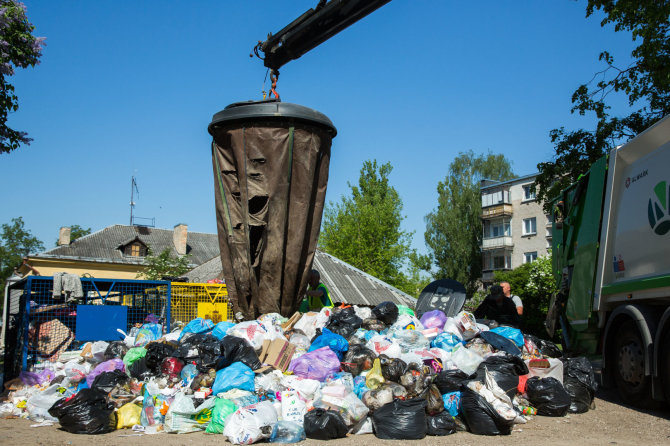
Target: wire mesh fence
[205, 300]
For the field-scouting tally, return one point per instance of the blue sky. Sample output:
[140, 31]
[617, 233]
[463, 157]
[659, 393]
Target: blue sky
[128, 88]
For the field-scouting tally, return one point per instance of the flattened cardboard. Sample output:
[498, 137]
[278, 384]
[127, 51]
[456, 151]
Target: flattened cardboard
[276, 354]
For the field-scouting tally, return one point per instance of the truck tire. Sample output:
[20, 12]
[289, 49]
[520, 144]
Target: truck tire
[664, 363]
[628, 361]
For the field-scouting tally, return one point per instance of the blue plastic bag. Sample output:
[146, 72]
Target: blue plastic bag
[221, 329]
[287, 432]
[360, 387]
[446, 341]
[147, 333]
[197, 326]
[236, 376]
[332, 340]
[452, 403]
[189, 372]
[513, 334]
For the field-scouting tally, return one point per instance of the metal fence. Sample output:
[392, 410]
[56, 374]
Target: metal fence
[205, 300]
[42, 325]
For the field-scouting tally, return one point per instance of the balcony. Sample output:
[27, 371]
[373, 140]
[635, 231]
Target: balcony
[500, 210]
[497, 242]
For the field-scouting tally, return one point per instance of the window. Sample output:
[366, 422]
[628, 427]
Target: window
[135, 249]
[529, 226]
[528, 192]
[493, 261]
[529, 257]
[497, 229]
[494, 198]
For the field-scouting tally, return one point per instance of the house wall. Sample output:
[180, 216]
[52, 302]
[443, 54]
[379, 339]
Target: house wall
[101, 270]
[524, 209]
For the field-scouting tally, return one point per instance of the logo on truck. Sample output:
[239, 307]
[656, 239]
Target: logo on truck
[658, 209]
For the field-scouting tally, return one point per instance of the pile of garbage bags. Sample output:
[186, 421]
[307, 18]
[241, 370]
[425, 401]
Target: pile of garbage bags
[323, 375]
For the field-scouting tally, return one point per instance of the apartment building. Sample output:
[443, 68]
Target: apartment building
[516, 229]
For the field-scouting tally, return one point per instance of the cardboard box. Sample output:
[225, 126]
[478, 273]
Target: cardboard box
[288, 325]
[277, 354]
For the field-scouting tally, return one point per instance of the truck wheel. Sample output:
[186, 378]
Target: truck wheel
[632, 384]
[665, 365]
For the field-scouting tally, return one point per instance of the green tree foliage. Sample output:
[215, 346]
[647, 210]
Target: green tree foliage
[16, 242]
[364, 230]
[76, 232]
[454, 230]
[163, 265]
[18, 49]
[534, 284]
[645, 83]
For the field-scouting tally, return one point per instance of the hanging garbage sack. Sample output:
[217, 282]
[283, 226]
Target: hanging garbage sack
[335, 342]
[434, 403]
[184, 417]
[107, 366]
[155, 353]
[387, 312]
[128, 416]
[433, 319]
[223, 408]
[446, 341]
[501, 343]
[234, 349]
[88, 412]
[270, 164]
[321, 424]
[505, 371]
[580, 382]
[549, 396]
[235, 376]
[373, 325]
[106, 381]
[171, 367]
[392, 368]
[401, 420]
[317, 364]
[441, 424]
[547, 348]
[357, 359]
[197, 326]
[451, 380]
[116, 349]
[287, 432]
[481, 417]
[344, 322]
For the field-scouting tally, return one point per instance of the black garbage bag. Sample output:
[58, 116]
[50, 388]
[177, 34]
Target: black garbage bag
[505, 371]
[548, 395]
[547, 348]
[116, 349]
[387, 312]
[344, 322]
[434, 403]
[416, 379]
[203, 350]
[234, 349]
[156, 352]
[374, 325]
[449, 381]
[88, 412]
[580, 382]
[322, 424]
[392, 368]
[481, 417]
[139, 370]
[358, 359]
[401, 420]
[501, 343]
[106, 381]
[441, 424]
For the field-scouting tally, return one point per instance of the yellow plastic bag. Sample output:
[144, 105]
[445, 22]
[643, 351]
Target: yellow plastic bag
[128, 416]
[375, 379]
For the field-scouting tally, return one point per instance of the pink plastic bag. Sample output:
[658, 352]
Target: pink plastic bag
[107, 366]
[434, 319]
[317, 364]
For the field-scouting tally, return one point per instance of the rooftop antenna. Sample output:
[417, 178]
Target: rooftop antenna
[148, 222]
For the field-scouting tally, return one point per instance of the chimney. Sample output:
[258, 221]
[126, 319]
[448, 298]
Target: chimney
[64, 236]
[179, 236]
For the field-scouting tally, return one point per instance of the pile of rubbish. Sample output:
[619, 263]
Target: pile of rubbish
[322, 375]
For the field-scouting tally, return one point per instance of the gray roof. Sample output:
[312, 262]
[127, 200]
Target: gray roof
[486, 183]
[345, 283]
[104, 245]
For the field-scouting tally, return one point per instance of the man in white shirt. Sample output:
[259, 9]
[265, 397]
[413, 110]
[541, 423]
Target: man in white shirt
[516, 299]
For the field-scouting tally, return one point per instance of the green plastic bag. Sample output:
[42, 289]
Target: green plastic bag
[133, 355]
[402, 309]
[223, 408]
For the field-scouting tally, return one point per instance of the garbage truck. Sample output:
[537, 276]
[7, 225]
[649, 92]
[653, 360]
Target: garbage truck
[611, 262]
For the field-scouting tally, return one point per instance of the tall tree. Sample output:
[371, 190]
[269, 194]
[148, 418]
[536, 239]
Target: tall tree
[18, 49]
[645, 83]
[454, 230]
[364, 229]
[76, 232]
[16, 242]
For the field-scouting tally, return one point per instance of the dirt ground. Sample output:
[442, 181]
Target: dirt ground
[610, 423]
